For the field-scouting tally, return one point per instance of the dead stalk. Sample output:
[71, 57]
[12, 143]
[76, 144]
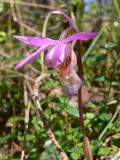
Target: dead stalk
[49, 132]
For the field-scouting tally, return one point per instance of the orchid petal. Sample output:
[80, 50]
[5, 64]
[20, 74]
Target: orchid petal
[72, 85]
[36, 41]
[30, 57]
[66, 16]
[73, 63]
[80, 36]
[56, 55]
[70, 90]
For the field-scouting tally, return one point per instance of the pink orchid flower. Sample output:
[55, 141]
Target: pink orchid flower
[60, 55]
[57, 49]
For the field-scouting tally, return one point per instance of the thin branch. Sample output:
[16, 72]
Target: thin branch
[34, 5]
[27, 111]
[44, 120]
[13, 10]
[31, 29]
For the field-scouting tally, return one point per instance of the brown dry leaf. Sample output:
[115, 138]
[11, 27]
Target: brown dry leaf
[91, 94]
[56, 92]
[16, 148]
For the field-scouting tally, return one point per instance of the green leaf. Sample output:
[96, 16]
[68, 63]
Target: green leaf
[49, 84]
[105, 117]
[109, 45]
[50, 152]
[35, 121]
[90, 115]
[53, 72]
[77, 152]
[3, 34]
[116, 142]
[63, 99]
[58, 133]
[73, 111]
[75, 155]
[118, 61]
[13, 120]
[47, 112]
[47, 143]
[74, 2]
[99, 78]
[114, 83]
[30, 137]
[1, 7]
[5, 138]
[104, 150]
[118, 107]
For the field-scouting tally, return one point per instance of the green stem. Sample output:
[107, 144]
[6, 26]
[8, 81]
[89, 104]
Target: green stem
[94, 42]
[117, 7]
[43, 68]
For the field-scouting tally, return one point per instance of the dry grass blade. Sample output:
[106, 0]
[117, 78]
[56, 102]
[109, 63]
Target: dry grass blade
[31, 29]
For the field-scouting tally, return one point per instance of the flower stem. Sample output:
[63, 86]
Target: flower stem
[45, 25]
[80, 73]
[86, 144]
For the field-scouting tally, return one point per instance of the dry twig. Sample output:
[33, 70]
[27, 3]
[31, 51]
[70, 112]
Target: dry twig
[43, 118]
[34, 5]
[27, 111]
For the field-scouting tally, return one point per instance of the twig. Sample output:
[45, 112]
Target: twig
[31, 29]
[4, 55]
[25, 92]
[27, 110]
[13, 10]
[44, 120]
[23, 75]
[34, 5]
